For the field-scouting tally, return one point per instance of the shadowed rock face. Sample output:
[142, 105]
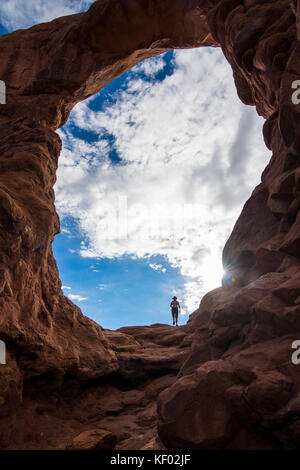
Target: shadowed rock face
[226, 378]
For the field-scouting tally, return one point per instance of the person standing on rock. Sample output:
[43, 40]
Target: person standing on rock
[175, 306]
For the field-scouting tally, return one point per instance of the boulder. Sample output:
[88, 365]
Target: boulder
[95, 439]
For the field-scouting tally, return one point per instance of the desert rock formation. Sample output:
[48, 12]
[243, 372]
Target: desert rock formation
[225, 380]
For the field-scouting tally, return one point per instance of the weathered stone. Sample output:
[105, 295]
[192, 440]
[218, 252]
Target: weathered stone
[96, 439]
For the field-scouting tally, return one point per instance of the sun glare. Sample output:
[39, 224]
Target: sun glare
[213, 272]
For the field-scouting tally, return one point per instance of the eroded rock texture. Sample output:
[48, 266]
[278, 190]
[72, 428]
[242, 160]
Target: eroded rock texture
[225, 380]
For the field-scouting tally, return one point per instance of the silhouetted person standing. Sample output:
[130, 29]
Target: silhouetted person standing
[175, 306]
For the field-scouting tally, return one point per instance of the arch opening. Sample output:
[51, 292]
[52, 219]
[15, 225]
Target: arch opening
[153, 173]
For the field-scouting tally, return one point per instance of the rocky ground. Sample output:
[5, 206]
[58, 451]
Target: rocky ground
[124, 404]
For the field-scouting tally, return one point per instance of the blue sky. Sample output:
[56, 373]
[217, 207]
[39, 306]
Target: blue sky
[154, 171]
[124, 290]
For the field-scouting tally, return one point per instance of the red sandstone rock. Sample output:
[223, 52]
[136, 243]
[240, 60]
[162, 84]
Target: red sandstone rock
[193, 412]
[226, 378]
[96, 439]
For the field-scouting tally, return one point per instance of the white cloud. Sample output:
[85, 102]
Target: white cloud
[16, 14]
[151, 67]
[191, 155]
[156, 267]
[103, 286]
[77, 298]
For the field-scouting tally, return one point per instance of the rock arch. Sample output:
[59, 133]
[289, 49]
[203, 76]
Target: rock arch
[241, 336]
